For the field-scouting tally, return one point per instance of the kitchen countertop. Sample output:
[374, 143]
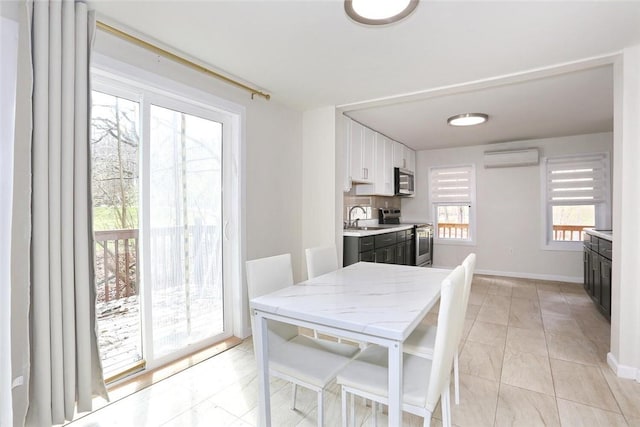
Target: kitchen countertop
[603, 234]
[386, 228]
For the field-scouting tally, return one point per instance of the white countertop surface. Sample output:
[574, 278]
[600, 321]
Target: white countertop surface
[603, 234]
[382, 300]
[387, 229]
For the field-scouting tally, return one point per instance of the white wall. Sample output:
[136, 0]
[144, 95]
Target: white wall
[509, 220]
[318, 178]
[272, 168]
[625, 299]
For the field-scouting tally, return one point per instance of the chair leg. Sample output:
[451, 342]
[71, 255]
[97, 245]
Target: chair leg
[456, 377]
[374, 412]
[344, 407]
[321, 408]
[427, 420]
[353, 409]
[445, 404]
[294, 390]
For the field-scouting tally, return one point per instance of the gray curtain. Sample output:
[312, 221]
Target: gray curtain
[65, 365]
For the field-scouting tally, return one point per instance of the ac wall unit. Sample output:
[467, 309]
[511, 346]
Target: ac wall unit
[511, 158]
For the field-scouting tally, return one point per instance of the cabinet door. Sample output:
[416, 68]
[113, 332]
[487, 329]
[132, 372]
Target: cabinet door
[386, 255]
[586, 268]
[356, 137]
[400, 254]
[595, 276]
[383, 166]
[410, 155]
[369, 256]
[346, 152]
[368, 155]
[409, 253]
[605, 286]
[398, 155]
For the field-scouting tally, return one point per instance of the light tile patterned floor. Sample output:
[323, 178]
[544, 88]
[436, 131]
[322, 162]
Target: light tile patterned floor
[533, 354]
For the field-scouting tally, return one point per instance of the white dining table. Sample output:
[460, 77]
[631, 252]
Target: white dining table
[367, 302]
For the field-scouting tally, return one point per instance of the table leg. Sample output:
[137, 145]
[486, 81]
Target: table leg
[262, 358]
[395, 384]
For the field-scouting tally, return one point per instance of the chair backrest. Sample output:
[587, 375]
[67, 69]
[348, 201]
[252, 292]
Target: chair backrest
[321, 260]
[266, 275]
[469, 265]
[447, 337]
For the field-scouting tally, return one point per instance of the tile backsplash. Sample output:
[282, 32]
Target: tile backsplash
[371, 204]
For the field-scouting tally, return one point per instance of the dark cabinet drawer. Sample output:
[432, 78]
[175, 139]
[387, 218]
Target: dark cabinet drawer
[366, 244]
[401, 236]
[382, 240]
[604, 248]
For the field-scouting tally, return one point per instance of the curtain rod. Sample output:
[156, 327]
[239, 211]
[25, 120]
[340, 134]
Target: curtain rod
[158, 50]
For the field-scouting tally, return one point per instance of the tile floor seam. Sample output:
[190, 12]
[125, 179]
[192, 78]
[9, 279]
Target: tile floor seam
[504, 354]
[612, 392]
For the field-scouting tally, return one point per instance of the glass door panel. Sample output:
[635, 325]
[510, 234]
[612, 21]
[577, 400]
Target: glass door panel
[185, 229]
[115, 124]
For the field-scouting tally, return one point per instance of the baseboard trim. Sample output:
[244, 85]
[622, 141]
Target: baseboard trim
[622, 371]
[550, 277]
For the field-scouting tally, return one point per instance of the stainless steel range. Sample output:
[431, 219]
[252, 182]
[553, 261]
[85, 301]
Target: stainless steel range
[423, 235]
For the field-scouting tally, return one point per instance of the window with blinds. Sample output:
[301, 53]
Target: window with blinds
[452, 194]
[577, 195]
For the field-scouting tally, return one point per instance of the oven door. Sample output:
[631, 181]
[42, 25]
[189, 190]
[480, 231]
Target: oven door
[424, 245]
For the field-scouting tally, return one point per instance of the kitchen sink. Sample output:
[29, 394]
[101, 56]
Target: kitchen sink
[365, 228]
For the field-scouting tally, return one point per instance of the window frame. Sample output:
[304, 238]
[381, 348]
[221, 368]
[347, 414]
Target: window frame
[602, 208]
[471, 240]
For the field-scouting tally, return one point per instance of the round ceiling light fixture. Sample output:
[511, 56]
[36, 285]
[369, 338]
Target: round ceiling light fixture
[379, 12]
[467, 119]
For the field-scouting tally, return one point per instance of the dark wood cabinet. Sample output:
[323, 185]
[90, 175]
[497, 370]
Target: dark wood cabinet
[597, 272]
[396, 247]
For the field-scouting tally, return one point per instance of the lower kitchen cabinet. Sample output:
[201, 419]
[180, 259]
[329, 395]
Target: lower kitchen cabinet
[597, 272]
[390, 248]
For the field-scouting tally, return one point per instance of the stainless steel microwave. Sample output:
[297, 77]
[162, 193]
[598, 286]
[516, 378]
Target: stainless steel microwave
[403, 182]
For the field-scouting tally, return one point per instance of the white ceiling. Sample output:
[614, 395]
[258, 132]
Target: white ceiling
[308, 54]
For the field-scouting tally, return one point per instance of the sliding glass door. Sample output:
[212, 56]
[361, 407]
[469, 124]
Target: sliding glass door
[159, 211]
[184, 229]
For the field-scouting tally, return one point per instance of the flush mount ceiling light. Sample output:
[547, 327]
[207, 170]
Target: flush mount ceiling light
[467, 119]
[379, 12]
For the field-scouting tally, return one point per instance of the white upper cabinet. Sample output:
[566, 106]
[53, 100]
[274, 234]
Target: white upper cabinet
[369, 159]
[361, 153]
[383, 170]
[403, 157]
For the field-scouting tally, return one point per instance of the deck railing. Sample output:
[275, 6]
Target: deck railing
[569, 232]
[560, 232]
[116, 264]
[453, 231]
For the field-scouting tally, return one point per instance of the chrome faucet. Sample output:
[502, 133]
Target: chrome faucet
[350, 223]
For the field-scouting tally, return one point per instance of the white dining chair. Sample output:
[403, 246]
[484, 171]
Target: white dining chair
[425, 381]
[422, 339]
[321, 260]
[302, 360]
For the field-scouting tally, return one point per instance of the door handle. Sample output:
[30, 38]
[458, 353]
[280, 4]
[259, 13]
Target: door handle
[225, 230]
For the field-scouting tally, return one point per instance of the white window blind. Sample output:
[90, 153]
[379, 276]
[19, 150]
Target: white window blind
[578, 180]
[452, 185]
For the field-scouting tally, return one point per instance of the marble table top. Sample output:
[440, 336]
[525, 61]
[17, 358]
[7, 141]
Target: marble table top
[382, 300]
